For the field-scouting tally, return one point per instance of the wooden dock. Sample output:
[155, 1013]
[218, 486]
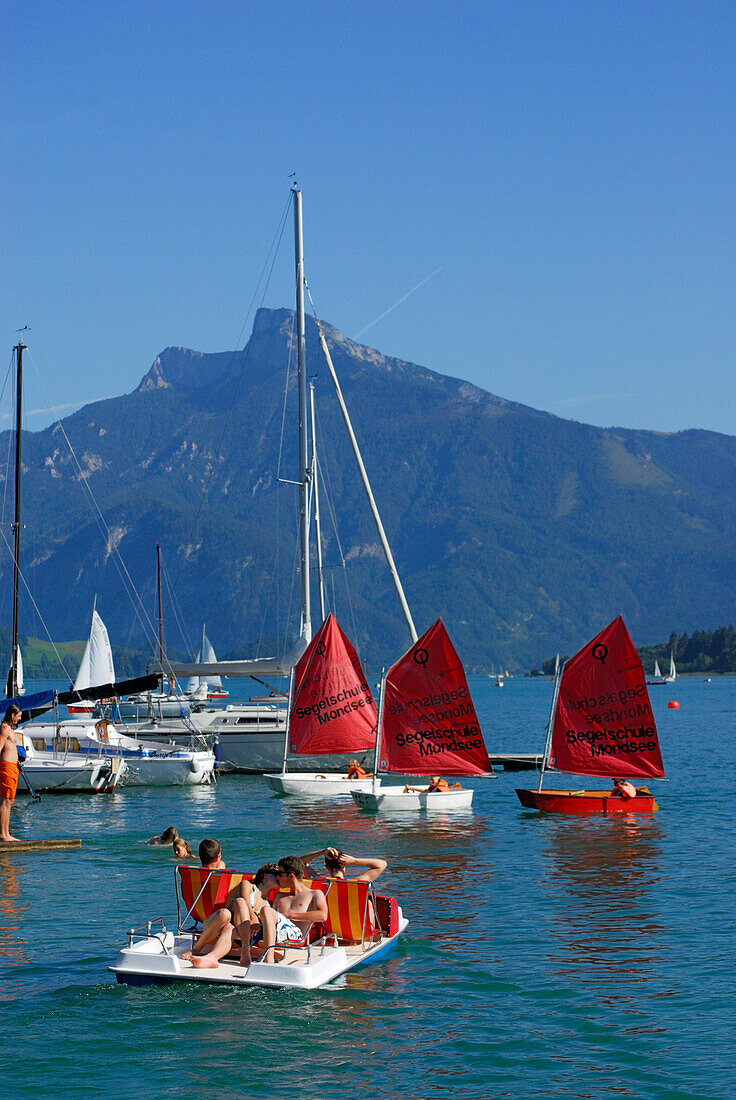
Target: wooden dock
[516, 761]
[55, 844]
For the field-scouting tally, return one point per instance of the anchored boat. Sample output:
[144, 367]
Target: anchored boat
[331, 710]
[361, 927]
[601, 724]
[427, 724]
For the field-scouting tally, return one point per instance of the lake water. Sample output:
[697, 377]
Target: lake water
[545, 957]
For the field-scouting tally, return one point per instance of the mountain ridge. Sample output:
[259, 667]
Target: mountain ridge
[526, 531]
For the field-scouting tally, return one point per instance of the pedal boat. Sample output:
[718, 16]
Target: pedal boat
[588, 802]
[316, 784]
[396, 798]
[347, 938]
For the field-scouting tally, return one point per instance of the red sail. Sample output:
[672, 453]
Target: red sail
[429, 721]
[332, 709]
[603, 721]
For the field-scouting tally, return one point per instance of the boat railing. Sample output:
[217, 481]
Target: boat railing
[150, 935]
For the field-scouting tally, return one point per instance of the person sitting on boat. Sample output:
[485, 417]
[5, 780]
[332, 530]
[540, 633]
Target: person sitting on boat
[168, 836]
[9, 770]
[355, 771]
[300, 903]
[276, 929]
[232, 920]
[336, 861]
[436, 783]
[182, 849]
[622, 788]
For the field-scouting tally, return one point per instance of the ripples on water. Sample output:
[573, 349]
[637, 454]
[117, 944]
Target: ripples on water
[545, 957]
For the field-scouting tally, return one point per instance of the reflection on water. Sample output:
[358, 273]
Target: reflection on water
[13, 949]
[609, 871]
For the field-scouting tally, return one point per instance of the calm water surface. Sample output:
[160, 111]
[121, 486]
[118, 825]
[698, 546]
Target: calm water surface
[545, 957]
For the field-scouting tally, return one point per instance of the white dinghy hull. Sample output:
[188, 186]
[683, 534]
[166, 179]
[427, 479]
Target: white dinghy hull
[316, 784]
[395, 798]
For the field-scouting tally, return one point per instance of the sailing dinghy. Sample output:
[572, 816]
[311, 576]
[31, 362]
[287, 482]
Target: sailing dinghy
[601, 724]
[331, 711]
[427, 724]
[96, 667]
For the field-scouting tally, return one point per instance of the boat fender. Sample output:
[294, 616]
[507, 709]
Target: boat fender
[195, 767]
[101, 776]
[217, 750]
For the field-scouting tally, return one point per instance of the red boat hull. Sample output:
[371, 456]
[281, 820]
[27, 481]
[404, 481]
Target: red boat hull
[587, 802]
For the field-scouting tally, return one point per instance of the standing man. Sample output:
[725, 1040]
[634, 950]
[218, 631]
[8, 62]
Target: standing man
[8, 768]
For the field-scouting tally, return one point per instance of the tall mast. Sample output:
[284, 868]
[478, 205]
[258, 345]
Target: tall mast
[160, 608]
[12, 689]
[315, 494]
[301, 348]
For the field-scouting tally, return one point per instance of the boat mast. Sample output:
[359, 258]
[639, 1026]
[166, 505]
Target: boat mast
[315, 495]
[160, 608]
[12, 688]
[551, 721]
[379, 729]
[301, 348]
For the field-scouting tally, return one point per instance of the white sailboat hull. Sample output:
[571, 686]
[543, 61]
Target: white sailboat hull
[395, 798]
[317, 784]
[46, 772]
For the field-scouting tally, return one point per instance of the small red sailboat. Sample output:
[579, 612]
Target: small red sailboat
[601, 724]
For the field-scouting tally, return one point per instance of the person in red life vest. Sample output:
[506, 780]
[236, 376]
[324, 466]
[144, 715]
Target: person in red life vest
[355, 771]
[436, 783]
[622, 788]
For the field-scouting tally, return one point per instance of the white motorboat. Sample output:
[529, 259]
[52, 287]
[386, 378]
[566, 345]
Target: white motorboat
[61, 771]
[149, 763]
[399, 798]
[361, 927]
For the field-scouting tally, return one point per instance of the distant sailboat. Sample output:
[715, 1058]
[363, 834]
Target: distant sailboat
[202, 688]
[96, 667]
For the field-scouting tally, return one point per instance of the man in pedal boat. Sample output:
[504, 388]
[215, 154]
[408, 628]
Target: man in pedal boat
[219, 929]
[302, 905]
[9, 770]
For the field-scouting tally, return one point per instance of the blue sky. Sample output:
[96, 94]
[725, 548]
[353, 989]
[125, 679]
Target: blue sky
[559, 176]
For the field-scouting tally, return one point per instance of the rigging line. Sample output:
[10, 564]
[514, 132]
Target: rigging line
[235, 391]
[36, 608]
[126, 579]
[286, 393]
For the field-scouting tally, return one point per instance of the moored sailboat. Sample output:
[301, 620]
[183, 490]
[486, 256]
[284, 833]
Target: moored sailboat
[331, 710]
[96, 667]
[601, 724]
[427, 724]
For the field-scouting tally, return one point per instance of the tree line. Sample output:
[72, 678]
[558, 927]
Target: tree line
[702, 651]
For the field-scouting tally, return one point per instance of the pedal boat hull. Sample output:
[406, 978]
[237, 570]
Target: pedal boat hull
[156, 959]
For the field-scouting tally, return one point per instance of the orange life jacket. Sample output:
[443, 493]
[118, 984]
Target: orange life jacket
[356, 772]
[443, 785]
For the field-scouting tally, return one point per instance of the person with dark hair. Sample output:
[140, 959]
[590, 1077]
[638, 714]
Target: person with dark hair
[168, 836]
[210, 854]
[299, 902]
[9, 769]
[336, 862]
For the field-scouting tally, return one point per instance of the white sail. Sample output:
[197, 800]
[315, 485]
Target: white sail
[673, 670]
[657, 673]
[208, 658]
[19, 671]
[97, 665]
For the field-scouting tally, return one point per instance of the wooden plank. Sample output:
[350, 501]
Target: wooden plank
[56, 843]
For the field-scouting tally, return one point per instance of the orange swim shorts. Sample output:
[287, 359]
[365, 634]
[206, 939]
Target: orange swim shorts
[8, 779]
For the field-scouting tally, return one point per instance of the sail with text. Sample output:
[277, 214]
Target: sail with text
[429, 721]
[333, 709]
[603, 723]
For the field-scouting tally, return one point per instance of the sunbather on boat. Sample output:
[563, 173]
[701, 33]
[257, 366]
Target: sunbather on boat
[301, 904]
[336, 861]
